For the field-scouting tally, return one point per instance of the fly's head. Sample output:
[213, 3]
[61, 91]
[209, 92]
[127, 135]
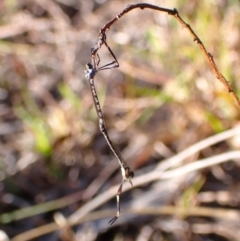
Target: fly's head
[89, 71]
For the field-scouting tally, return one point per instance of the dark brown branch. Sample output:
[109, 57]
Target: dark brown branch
[102, 39]
[102, 31]
[209, 58]
[93, 68]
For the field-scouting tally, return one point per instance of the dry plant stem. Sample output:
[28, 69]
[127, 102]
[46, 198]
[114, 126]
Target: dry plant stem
[174, 13]
[93, 69]
[167, 164]
[220, 229]
[178, 158]
[161, 169]
[154, 176]
[220, 213]
[209, 58]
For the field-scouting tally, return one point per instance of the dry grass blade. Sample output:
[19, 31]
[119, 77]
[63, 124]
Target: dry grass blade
[92, 70]
[162, 99]
[161, 173]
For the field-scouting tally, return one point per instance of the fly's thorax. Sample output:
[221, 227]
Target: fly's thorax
[126, 172]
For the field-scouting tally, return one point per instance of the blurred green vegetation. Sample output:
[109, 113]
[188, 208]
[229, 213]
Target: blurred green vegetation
[164, 89]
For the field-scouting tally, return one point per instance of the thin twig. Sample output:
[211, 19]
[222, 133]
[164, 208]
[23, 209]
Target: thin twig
[157, 174]
[92, 70]
[173, 12]
[221, 213]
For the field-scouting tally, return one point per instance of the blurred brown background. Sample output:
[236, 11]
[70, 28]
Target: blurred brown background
[162, 99]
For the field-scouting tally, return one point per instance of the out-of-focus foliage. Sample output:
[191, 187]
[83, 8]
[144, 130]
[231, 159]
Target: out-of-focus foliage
[164, 94]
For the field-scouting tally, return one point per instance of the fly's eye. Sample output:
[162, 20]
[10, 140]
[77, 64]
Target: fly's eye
[89, 66]
[128, 172]
[131, 174]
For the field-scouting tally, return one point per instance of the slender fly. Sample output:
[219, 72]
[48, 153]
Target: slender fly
[90, 72]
